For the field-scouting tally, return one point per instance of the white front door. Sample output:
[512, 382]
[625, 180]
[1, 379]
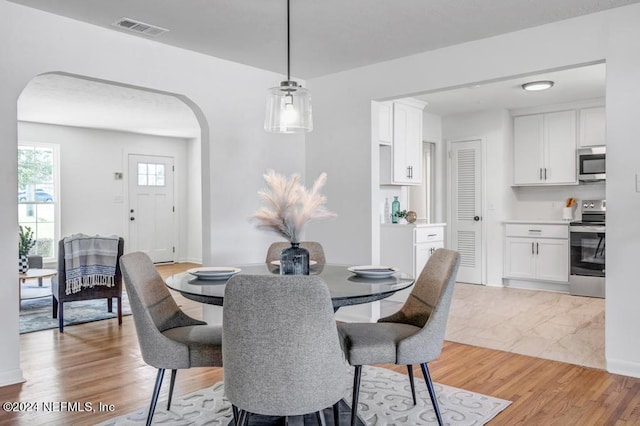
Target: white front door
[151, 206]
[466, 208]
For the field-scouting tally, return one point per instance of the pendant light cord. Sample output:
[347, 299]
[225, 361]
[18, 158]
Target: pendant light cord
[288, 46]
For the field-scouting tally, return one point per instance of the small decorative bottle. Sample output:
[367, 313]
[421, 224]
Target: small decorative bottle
[387, 211]
[395, 208]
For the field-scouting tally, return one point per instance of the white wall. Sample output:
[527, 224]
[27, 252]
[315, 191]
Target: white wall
[493, 127]
[341, 141]
[229, 100]
[92, 200]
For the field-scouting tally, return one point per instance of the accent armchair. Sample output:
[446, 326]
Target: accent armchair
[59, 290]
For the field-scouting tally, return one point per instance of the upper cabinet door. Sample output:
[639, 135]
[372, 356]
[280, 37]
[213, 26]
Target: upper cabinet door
[592, 127]
[560, 148]
[528, 149]
[407, 144]
[544, 148]
[385, 123]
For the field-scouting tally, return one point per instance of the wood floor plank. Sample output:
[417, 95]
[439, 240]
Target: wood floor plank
[101, 362]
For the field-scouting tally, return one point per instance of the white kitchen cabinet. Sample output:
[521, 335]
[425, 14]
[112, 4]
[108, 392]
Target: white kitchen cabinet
[409, 247]
[401, 163]
[537, 252]
[544, 147]
[592, 127]
[385, 123]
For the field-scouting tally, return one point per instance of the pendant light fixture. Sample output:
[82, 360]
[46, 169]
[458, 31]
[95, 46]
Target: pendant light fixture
[288, 105]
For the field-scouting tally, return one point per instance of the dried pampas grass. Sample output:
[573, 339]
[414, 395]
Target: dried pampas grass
[290, 205]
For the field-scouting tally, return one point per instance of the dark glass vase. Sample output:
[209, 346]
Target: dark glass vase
[294, 260]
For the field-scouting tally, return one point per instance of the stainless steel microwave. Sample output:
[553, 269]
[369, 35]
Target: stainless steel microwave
[592, 164]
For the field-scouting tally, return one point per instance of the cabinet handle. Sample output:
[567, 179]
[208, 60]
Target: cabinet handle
[432, 235]
[535, 230]
[537, 248]
[532, 248]
[408, 172]
[540, 173]
[545, 173]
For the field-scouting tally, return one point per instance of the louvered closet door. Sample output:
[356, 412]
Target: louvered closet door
[466, 210]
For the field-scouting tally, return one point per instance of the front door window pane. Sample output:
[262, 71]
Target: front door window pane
[151, 174]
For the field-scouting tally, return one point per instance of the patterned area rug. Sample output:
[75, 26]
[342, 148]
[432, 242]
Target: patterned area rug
[36, 314]
[385, 400]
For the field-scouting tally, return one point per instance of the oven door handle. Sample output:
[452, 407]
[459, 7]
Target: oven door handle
[590, 229]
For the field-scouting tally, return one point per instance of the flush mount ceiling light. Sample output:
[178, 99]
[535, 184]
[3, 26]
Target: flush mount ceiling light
[288, 105]
[535, 86]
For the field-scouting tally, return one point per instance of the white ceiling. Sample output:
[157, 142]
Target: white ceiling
[327, 36]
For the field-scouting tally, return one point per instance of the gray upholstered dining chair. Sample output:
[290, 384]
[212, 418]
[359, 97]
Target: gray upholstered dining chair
[316, 252]
[168, 338]
[413, 335]
[280, 346]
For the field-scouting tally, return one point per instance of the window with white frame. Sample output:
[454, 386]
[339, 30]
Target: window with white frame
[38, 195]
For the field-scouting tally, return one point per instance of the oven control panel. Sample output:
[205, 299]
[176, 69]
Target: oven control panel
[594, 206]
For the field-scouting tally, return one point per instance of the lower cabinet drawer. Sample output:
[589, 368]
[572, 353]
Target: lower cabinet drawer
[425, 235]
[536, 230]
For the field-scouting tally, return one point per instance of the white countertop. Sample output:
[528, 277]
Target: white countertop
[542, 222]
[416, 224]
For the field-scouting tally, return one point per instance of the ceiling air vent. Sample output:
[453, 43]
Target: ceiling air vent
[139, 27]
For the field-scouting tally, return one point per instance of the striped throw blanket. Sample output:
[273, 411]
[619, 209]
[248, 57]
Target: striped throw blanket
[89, 261]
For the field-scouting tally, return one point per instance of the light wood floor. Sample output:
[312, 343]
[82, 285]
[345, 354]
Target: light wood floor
[100, 363]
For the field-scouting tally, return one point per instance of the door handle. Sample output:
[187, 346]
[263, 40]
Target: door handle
[476, 218]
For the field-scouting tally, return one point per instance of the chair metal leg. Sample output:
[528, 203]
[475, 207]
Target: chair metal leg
[243, 418]
[356, 391]
[432, 393]
[413, 385]
[234, 409]
[336, 413]
[119, 310]
[154, 398]
[61, 317]
[320, 417]
[173, 382]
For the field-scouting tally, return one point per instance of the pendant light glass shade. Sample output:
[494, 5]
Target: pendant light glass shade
[288, 109]
[288, 105]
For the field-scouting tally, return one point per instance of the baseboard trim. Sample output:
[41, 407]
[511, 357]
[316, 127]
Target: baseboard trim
[625, 368]
[537, 285]
[11, 377]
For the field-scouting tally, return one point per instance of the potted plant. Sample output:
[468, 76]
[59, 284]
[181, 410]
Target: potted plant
[402, 217]
[25, 244]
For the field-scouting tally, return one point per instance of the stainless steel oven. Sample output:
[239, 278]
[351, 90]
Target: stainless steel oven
[587, 240]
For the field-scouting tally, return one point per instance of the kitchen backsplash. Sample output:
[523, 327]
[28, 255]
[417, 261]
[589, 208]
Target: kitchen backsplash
[546, 203]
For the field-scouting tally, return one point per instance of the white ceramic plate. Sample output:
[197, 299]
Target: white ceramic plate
[277, 262]
[373, 271]
[214, 272]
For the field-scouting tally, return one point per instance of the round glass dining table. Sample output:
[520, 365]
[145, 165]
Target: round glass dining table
[345, 287]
